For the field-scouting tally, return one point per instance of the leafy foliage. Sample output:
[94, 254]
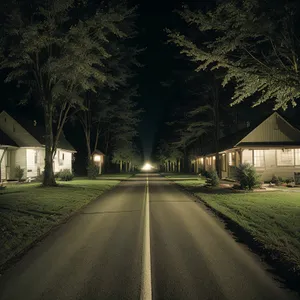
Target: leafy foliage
[19, 173]
[92, 170]
[65, 175]
[212, 178]
[60, 57]
[247, 177]
[253, 41]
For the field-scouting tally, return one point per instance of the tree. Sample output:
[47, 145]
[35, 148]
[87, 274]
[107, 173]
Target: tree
[253, 41]
[58, 57]
[102, 107]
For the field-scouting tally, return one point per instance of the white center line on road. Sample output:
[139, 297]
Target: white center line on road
[146, 291]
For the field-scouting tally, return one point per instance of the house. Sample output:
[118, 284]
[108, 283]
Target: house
[273, 148]
[98, 158]
[22, 143]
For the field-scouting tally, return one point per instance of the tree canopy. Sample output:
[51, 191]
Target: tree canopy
[254, 42]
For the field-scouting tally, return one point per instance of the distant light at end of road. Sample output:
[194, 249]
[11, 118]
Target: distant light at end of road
[147, 167]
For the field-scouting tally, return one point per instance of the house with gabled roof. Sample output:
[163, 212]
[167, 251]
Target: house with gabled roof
[272, 147]
[22, 143]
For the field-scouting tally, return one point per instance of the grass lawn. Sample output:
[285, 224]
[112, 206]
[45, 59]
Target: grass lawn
[27, 211]
[272, 218]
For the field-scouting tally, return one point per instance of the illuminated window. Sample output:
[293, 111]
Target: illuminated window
[297, 157]
[285, 157]
[231, 159]
[248, 157]
[259, 158]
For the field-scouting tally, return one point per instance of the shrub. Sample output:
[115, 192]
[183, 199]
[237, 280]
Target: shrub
[19, 172]
[289, 180]
[66, 175]
[275, 180]
[213, 178]
[247, 176]
[92, 170]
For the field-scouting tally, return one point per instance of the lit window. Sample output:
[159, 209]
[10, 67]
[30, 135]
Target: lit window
[248, 157]
[231, 159]
[285, 157]
[259, 158]
[297, 157]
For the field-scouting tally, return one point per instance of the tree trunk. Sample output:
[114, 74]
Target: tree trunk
[121, 166]
[49, 179]
[217, 126]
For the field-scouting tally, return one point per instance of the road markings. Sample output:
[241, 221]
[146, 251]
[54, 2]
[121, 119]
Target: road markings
[146, 291]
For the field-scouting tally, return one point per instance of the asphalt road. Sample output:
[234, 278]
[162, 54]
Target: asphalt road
[129, 243]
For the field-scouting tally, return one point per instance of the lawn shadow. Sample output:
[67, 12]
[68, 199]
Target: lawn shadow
[12, 192]
[283, 271]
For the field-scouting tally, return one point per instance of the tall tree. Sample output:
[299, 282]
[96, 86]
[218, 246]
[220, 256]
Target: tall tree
[253, 41]
[58, 56]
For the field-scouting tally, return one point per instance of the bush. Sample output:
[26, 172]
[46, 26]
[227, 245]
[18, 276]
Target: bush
[275, 180]
[65, 175]
[289, 180]
[92, 170]
[19, 173]
[203, 172]
[213, 178]
[247, 177]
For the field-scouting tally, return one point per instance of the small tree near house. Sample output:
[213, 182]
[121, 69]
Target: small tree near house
[247, 177]
[19, 172]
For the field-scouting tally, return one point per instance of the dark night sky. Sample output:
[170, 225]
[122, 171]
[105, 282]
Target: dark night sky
[157, 61]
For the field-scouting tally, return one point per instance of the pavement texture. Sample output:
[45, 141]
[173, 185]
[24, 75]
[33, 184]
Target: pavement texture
[98, 254]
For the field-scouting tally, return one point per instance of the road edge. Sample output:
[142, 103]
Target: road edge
[280, 270]
[18, 256]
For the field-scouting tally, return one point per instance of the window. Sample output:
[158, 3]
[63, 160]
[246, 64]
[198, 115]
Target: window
[231, 159]
[63, 156]
[35, 157]
[223, 159]
[247, 157]
[259, 158]
[297, 157]
[285, 157]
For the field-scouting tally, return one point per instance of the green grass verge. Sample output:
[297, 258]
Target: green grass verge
[27, 211]
[272, 218]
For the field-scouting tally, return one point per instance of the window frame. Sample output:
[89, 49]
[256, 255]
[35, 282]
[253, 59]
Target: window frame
[263, 156]
[285, 165]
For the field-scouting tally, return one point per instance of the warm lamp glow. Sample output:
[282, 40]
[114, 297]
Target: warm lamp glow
[147, 167]
[97, 158]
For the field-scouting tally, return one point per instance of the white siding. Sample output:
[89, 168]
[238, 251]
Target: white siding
[20, 159]
[271, 166]
[62, 160]
[35, 159]
[3, 164]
